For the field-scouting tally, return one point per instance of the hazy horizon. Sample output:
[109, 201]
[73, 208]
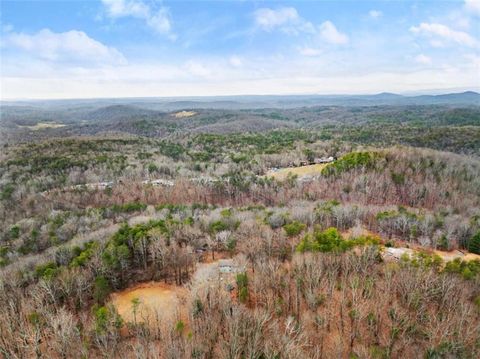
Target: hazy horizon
[244, 96]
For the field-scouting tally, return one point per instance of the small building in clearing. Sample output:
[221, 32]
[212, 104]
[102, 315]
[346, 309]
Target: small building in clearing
[324, 160]
[226, 266]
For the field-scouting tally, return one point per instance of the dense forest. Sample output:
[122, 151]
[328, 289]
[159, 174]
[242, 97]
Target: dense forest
[98, 200]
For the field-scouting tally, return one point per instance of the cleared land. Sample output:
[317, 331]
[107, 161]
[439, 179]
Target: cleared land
[397, 252]
[160, 301]
[302, 171]
[183, 114]
[43, 126]
[156, 300]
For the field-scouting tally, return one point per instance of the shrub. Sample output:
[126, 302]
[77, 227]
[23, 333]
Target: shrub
[424, 260]
[14, 232]
[243, 294]
[226, 213]
[443, 243]
[101, 289]
[128, 207]
[152, 167]
[197, 307]
[105, 318]
[179, 326]
[46, 271]
[7, 192]
[276, 220]
[172, 150]
[467, 269]
[474, 244]
[350, 161]
[231, 245]
[82, 255]
[3, 256]
[242, 285]
[398, 178]
[330, 240]
[34, 318]
[242, 280]
[476, 301]
[218, 226]
[239, 158]
[309, 154]
[294, 228]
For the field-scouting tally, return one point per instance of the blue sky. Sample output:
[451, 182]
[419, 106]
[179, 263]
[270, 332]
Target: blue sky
[130, 48]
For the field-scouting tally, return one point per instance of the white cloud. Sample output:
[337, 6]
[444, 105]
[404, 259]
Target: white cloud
[289, 21]
[474, 60]
[235, 61]
[121, 8]
[309, 51]
[160, 21]
[444, 32]
[437, 43]
[285, 19]
[423, 59]
[159, 79]
[156, 18]
[215, 75]
[473, 6]
[330, 34]
[72, 46]
[197, 69]
[269, 19]
[375, 14]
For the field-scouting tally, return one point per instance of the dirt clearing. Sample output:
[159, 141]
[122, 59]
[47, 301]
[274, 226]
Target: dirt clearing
[183, 114]
[396, 253]
[310, 170]
[155, 300]
[44, 125]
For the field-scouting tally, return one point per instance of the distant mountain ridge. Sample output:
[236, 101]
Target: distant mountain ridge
[469, 98]
[463, 97]
[124, 106]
